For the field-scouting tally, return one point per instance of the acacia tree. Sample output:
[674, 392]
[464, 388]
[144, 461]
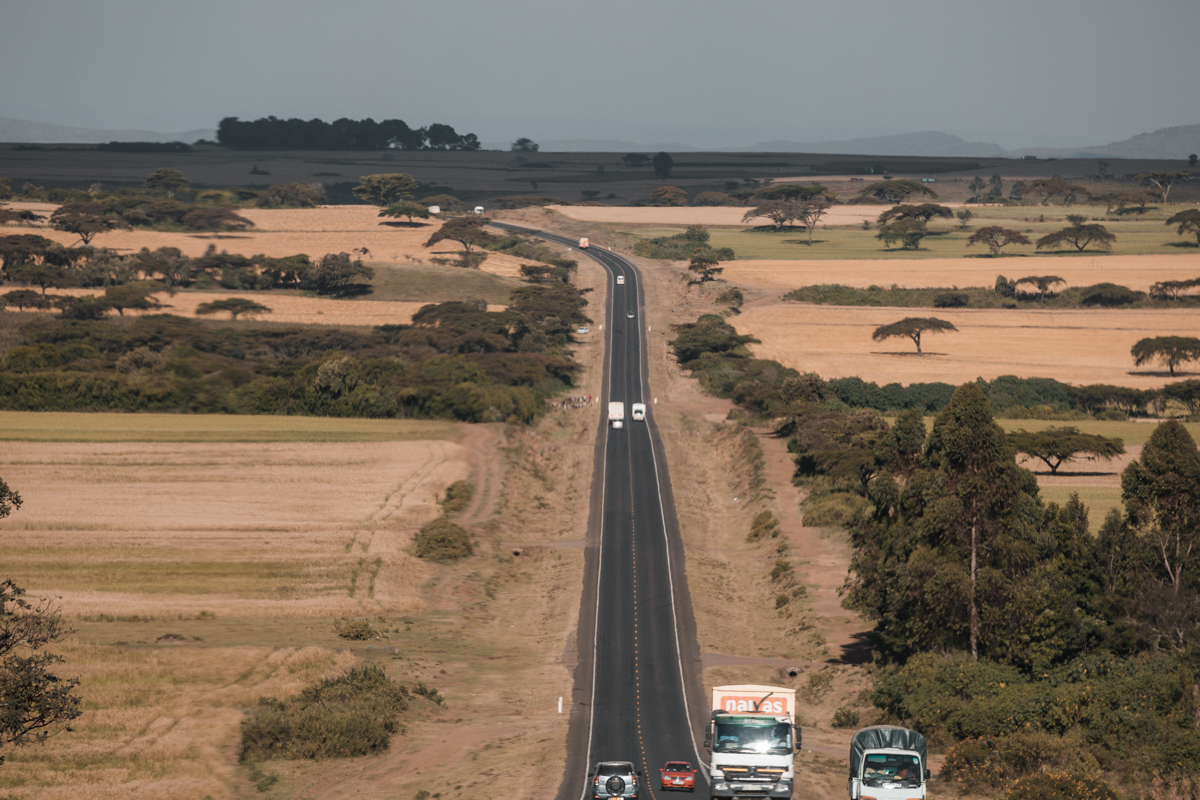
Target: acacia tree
[1170, 350]
[1161, 492]
[894, 191]
[22, 299]
[909, 232]
[810, 212]
[1042, 282]
[86, 220]
[923, 212]
[1055, 188]
[406, 208]
[704, 265]
[964, 217]
[996, 237]
[385, 189]
[138, 296]
[795, 192]
[1056, 445]
[524, 145]
[1188, 221]
[1164, 180]
[234, 305]
[778, 211]
[1079, 235]
[913, 327]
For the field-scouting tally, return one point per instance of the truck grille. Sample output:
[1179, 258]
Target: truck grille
[751, 773]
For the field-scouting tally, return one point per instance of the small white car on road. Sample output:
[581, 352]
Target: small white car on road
[620, 280]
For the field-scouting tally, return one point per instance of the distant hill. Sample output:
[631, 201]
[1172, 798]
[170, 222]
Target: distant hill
[599, 146]
[1174, 143]
[923, 143]
[19, 130]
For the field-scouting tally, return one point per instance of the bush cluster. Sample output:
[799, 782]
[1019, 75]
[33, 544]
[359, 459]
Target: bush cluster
[682, 246]
[354, 714]
[442, 540]
[458, 496]
[457, 361]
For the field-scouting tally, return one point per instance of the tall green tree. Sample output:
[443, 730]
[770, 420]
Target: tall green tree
[406, 208]
[1161, 492]
[923, 212]
[909, 232]
[1163, 181]
[1079, 235]
[704, 265]
[663, 164]
[894, 191]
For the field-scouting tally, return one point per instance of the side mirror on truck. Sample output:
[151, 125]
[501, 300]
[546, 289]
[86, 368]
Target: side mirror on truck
[928, 775]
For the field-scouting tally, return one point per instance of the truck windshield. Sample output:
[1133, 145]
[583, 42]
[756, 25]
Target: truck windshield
[891, 769]
[765, 737]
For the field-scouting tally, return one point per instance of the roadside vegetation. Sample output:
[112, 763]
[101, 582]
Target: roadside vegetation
[1060, 642]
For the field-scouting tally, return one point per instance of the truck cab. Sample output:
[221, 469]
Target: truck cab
[753, 741]
[888, 762]
[638, 412]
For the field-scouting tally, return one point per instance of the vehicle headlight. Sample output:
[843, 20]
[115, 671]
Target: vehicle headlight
[722, 787]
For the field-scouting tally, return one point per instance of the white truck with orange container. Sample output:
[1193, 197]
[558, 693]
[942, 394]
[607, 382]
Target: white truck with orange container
[752, 738]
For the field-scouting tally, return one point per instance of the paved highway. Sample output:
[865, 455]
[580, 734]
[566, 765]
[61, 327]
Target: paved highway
[636, 616]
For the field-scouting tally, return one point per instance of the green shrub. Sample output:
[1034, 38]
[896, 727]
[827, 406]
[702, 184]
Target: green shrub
[845, 717]
[782, 600]
[1060, 786]
[357, 630]
[984, 762]
[458, 496]
[951, 300]
[765, 526]
[351, 715]
[782, 567]
[429, 693]
[1109, 295]
[442, 540]
[732, 296]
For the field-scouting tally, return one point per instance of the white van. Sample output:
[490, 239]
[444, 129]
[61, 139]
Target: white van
[638, 412]
[620, 280]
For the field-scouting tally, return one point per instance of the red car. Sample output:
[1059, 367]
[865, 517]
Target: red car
[678, 775]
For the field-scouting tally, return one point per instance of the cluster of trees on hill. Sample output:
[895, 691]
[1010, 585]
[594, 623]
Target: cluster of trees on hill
[271, 133]
[1004, 629]
[456, 360]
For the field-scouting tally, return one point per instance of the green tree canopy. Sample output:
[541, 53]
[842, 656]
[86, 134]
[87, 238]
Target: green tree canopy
[1188, 221]
[168, 181]
[1163, 181]
[796, 192]
[1161, 492]
[1170, 350]
[996, 237]
[923, 212]
[44, 276]
[1050, 189]
[524, 145]
[467, 231]
[234, 305]
[86, 220]
[668, 196]
[908, 231]
[385, 189]
[894, 191]
[22, 299]
[704, 265]
[291, 195]
[406, 208]
[1079, 235]
[778, 211]
[1042, 282]
[1056, 445]
[913, 327]
[138, 296]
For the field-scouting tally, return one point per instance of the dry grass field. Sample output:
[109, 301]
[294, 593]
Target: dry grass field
[1077, 347]
[711, 215]
[284, 232]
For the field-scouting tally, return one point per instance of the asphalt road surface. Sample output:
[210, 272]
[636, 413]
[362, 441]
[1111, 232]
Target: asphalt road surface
[636, 616]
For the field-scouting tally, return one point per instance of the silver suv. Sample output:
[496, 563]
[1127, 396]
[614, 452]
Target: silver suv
[614, 779]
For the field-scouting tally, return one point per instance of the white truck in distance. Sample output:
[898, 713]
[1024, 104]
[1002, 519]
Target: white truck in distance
[616, 414]
[752, 738]
[638, 412]
[888, 763]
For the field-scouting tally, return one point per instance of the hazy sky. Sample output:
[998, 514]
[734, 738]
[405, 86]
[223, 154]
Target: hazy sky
[704, 72]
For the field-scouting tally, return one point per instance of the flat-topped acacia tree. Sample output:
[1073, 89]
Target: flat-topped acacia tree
[1042, 282]
[913, 327]
[1170, 350]
[996, 237]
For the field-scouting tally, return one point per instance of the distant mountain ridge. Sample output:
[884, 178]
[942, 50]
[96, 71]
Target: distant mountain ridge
[19, 130]
[1176, 142]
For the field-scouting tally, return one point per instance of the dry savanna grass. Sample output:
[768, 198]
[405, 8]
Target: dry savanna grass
[1077, 347]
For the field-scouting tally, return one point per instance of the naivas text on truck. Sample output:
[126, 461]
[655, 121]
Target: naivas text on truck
[752, 738]
[888, 763]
